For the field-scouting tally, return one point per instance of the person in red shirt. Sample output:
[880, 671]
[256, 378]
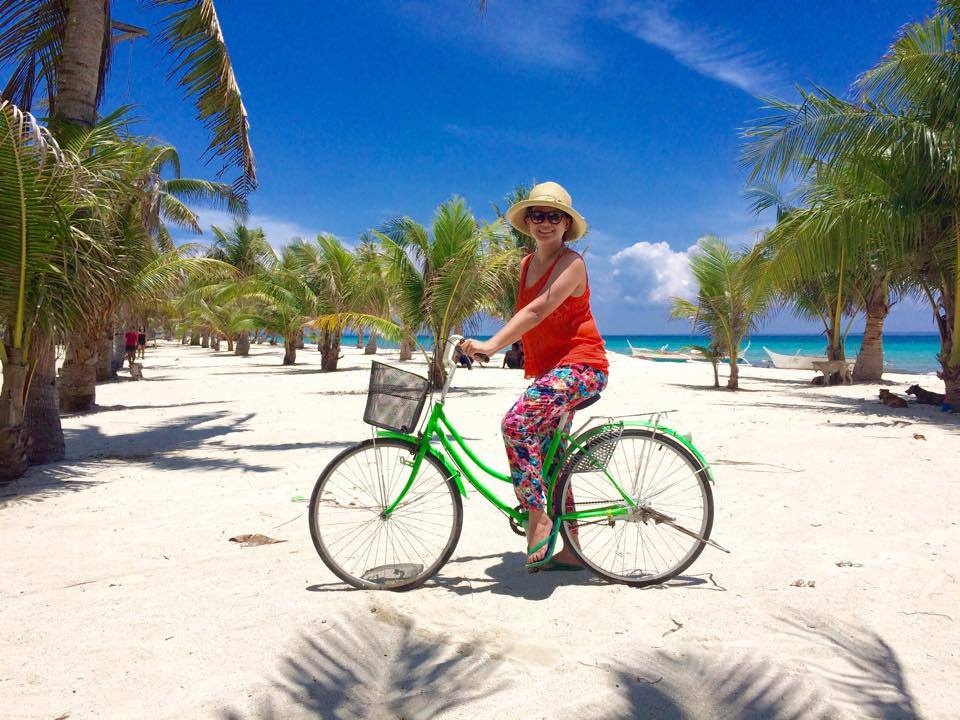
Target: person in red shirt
[563, 353]
[130, 345]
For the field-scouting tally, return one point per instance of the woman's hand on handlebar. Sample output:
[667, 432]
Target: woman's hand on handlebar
[477, 350]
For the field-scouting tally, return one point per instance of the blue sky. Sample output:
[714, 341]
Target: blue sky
[362, 111]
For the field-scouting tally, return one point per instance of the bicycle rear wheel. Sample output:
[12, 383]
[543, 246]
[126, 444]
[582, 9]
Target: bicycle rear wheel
[671, 489]
[368, 549]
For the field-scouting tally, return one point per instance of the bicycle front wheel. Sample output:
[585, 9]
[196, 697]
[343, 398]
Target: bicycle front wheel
[360, 543]
[664, 533]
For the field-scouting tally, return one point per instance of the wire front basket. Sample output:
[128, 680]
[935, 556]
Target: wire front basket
[395, 398]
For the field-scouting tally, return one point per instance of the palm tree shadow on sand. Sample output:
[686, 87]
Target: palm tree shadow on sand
[367, 667]
[864, 679]
[382, 665]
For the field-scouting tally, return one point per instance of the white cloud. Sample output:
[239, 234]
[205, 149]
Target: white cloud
[535, 32]
[708, 51]
[279, 231]
[652, 273]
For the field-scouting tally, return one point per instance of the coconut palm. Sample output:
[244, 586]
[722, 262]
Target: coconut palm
[43, 283]
[248, 252]
[523, 244]
[909, 110]
[144, 263]
[62, 50]
[338, 278]
[444, 278]
[733, 297]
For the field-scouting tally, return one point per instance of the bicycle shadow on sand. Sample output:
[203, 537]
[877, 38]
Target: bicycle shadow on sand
[509, 576]
[374, 666]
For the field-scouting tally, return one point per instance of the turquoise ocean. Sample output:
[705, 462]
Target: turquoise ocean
[904, 352]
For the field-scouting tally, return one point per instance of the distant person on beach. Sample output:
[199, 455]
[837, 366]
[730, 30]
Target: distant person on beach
[130, 338]
[513, 358]
[141, 343]
[563, 353]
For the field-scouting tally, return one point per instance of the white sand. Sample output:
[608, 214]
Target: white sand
[120, 596]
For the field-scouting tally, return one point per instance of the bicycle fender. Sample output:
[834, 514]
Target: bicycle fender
[583, 438]
[683, 439]
[451, 469]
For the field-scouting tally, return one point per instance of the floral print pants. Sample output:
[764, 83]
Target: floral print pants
[532, 420]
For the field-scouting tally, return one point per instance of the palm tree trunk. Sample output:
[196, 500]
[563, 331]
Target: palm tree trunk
[243, 344]
[204, 339]
[229, 343]
[329, 349]
[78, 376]
[80, 60]
[406, 345]
[13, 435]
[289, 352]
[716, 373]
[42, 418]
[733, 382]
[215, 342]
[371, 348]
[195, 338]
[869, 364]
[438, 373]
[360, 338]
[106, 349]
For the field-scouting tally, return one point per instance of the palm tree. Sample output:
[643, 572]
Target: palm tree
[732, 299]
[248, 252]
[43, 286]
[909, 109]
[288, 303]
[444, 278]
[143, 260]
[63, 50]
[523, 244]
[337, 278]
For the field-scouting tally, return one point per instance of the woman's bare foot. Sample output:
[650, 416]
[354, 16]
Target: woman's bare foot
[538, 530]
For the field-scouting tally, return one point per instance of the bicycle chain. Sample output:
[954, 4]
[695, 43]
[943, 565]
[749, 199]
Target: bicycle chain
[518, 529]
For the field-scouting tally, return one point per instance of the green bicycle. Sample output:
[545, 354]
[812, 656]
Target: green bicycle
[633, 497]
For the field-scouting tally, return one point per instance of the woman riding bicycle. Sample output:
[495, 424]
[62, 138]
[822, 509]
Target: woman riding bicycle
[563, 352]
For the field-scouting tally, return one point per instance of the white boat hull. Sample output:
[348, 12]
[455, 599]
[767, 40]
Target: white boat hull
[794, 362]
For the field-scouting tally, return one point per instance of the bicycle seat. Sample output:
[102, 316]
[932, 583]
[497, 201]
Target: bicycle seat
[586, 403]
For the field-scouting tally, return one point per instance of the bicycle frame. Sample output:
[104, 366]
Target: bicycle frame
[439, 427]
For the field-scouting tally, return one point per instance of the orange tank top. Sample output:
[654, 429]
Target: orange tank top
[567, 336]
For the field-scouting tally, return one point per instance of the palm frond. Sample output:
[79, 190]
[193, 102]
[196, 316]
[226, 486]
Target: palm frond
[205, 71]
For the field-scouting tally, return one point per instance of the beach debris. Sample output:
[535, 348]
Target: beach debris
[847, 563]
[298, 498]
[254, 540]
[919, 436]
[932, 614]
[673, 630]
[800, 582]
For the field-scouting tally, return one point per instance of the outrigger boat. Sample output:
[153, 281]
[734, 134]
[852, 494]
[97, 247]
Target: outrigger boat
[661, 355]
[794, 362]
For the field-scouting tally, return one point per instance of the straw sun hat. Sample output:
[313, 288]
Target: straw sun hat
[548, 194]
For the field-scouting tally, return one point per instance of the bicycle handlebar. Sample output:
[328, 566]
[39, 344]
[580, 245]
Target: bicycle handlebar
[453, 344]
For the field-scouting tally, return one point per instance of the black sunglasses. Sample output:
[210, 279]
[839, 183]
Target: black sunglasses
[554, 217]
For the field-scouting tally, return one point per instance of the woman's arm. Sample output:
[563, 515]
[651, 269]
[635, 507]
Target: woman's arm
[572, 275]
